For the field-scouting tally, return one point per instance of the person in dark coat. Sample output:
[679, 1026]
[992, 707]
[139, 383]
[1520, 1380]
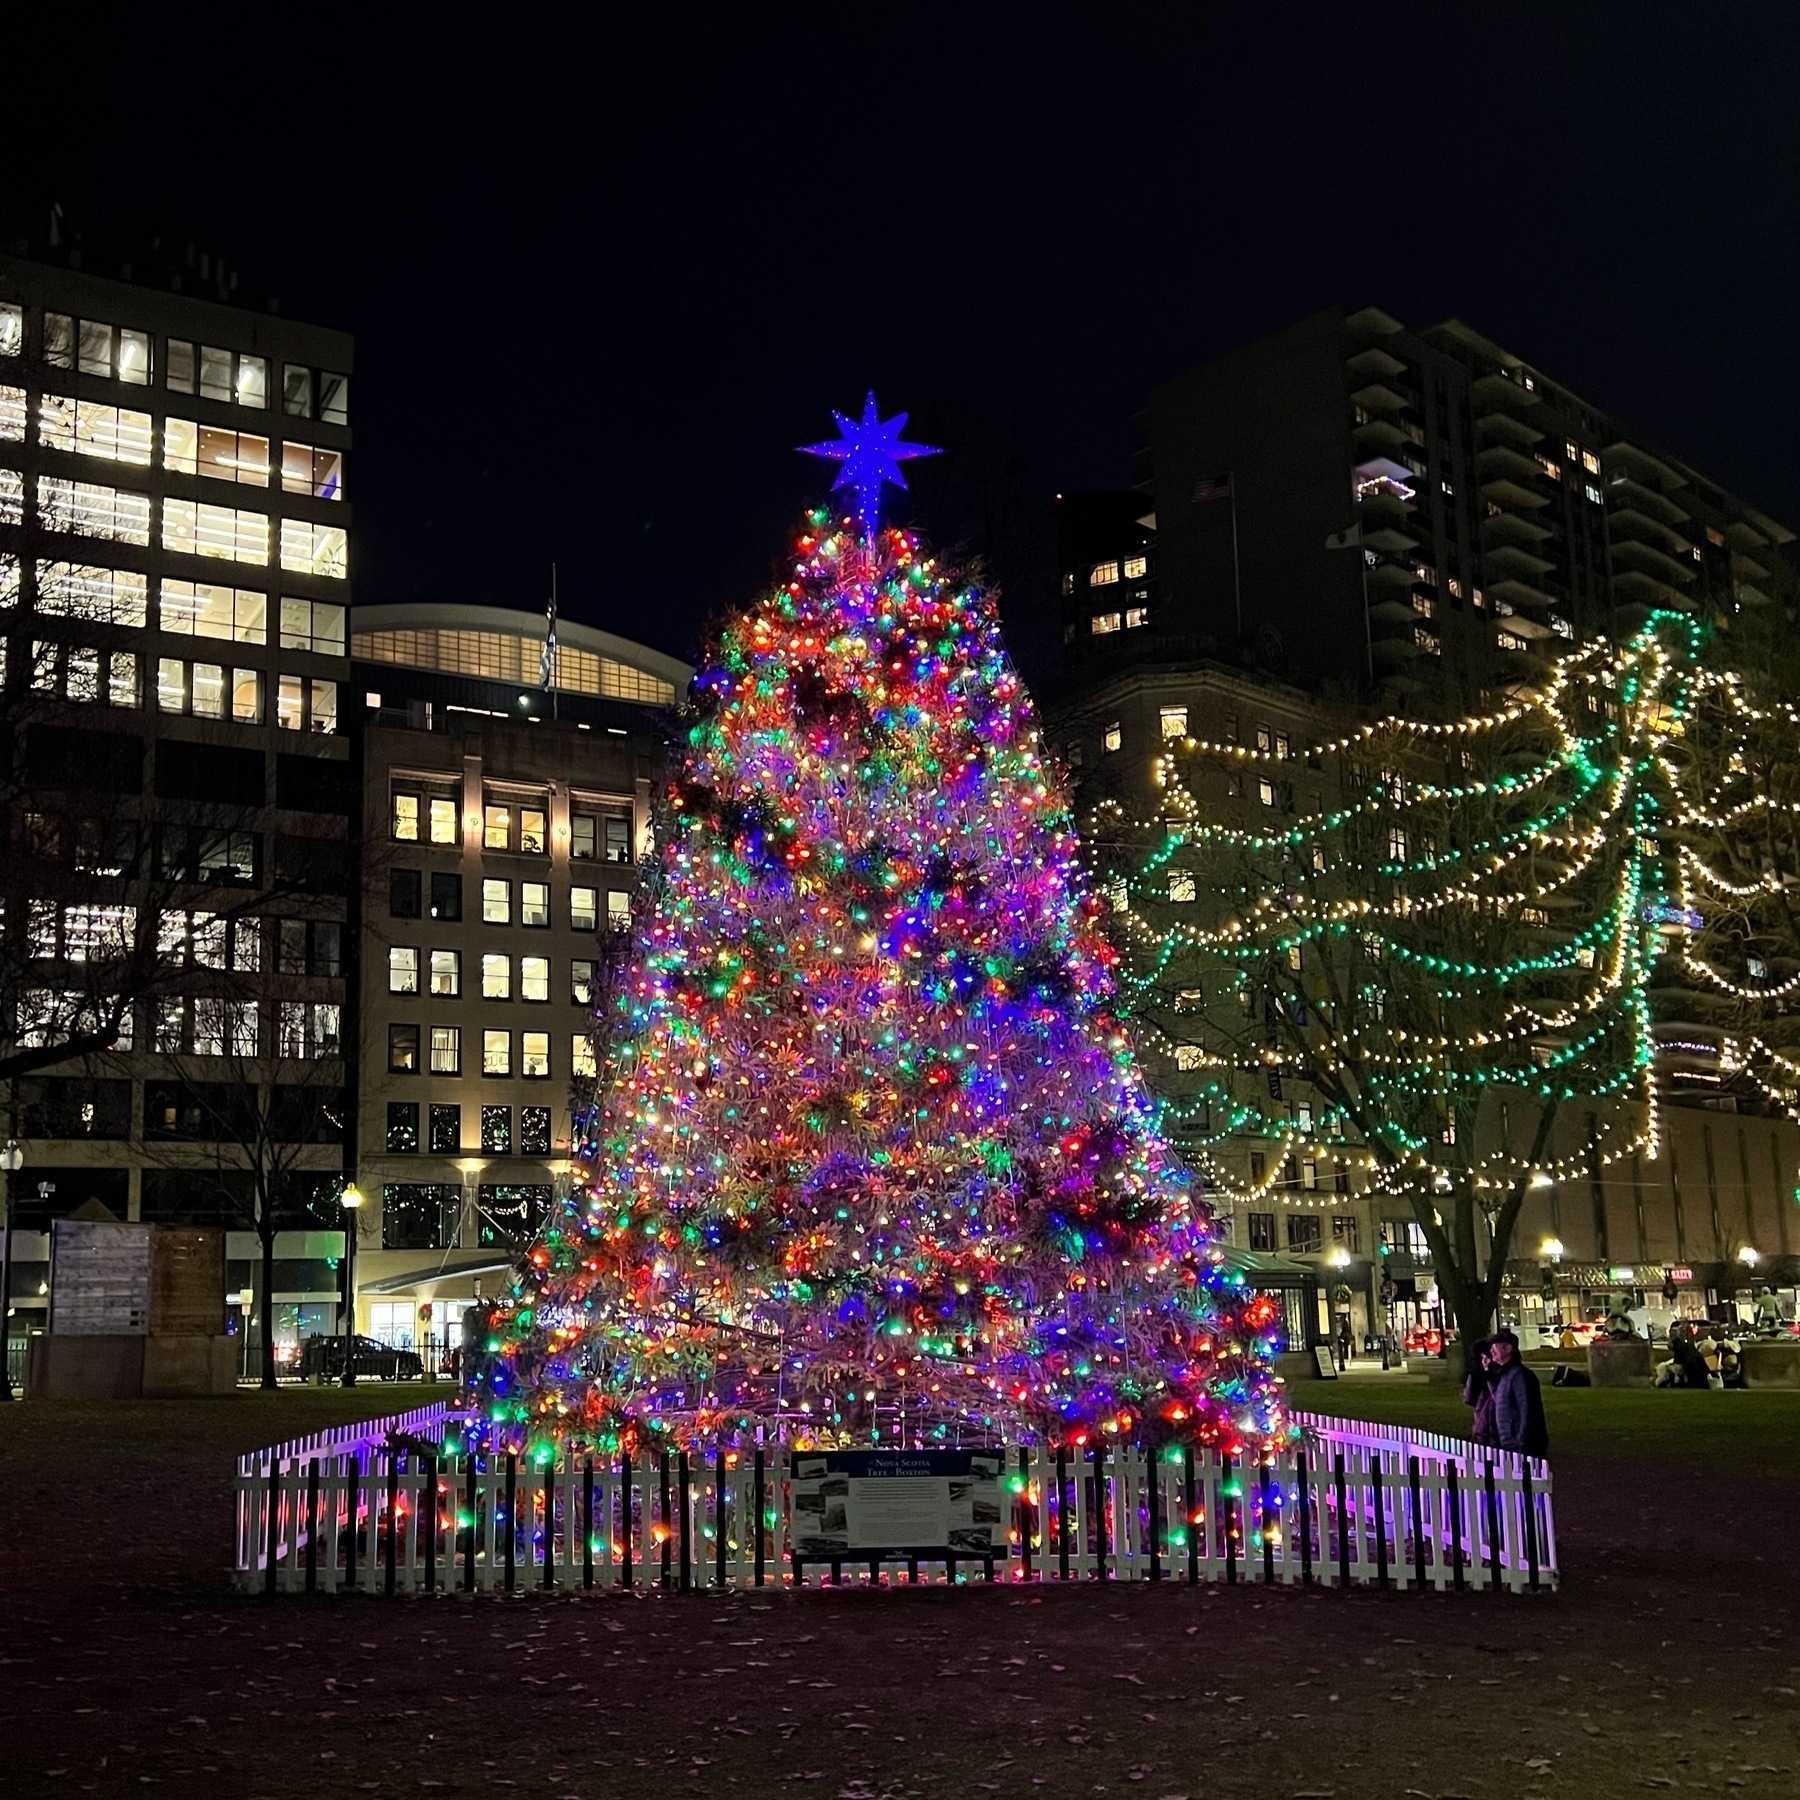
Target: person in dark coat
[1519, 1422]
[1478, 1392]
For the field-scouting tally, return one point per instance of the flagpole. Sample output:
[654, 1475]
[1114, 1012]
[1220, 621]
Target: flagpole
[554, 708]
[1237, 579]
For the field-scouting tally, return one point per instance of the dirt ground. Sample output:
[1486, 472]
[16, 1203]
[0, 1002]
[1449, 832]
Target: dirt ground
[1667, 1662]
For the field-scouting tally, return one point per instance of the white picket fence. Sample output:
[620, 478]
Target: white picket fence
[1350, 1505]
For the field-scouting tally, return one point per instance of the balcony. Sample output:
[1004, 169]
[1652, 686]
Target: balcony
[1627, 523]
[1374, 364]
[1512, 528]
[1508, 492]
[1624, 490]
[1513, 561]
[1503, 428]
[1646, 559]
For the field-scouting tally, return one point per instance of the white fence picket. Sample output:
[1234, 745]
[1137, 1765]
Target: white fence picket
[1413, 1507]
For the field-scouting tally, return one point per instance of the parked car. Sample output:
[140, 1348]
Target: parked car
[323, 1358]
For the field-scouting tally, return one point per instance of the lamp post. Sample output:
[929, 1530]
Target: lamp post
[1551, 1251]
[350, 1200]
[246, 1304]
[12, 1159]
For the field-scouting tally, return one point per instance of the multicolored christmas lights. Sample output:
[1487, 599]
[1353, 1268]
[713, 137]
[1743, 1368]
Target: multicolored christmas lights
[870, 1159]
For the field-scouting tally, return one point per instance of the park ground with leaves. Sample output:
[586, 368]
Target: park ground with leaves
[1666, 1664]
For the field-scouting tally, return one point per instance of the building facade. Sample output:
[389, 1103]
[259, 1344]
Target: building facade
[175, 573]
[1707, 1219]
[1422, 516]
[503, 827]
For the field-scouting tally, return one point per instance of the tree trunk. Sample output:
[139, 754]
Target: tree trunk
[266, 1233]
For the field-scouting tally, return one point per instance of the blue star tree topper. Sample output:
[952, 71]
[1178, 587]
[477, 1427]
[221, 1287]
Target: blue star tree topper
[869, 451]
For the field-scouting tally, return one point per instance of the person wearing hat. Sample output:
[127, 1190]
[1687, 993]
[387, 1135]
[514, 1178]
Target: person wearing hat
[1519, 1422]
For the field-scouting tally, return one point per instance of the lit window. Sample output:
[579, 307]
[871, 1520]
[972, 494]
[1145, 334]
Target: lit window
[1283, 749]
[582, 1060]
[171, 685]
[534, 1055]
[309, 549]
[1593, 493]
[1571, 450]
[197, 528]
[534, 903]
[496, 902]
[534, 978]
[306, 469]
[321, 709]
[252, 381]
[496, 1052]
[207, 690]
[1590, 462]
[200, 609]
[406, 818]
[1560, 625]
[446, 1049]
[1424, 605]
[1103, 574]
[496, 977]
[1265, 740]
[1189, 1057]
[1118, 896]
[12, 328]
[533, 831]
[1509, 641]
[316, 625]
[12, 415]
[1112, 737]
[122, 679]
[1104, 624]
[534, 1131]
[443, 821]
[1174, 721]
[581, 981]
[496, 1130]
[584, 908]
[446, 973]
[290, 703]
[1265, 790]
[584, 837]
[497, 827]
[403, 969]
[1182, 886]
[1396, 843]
[1427, 641]
[1136, 616]
[618, 911]
[1455, 587]
[1136, 567]
[1552, 469]
[89, 510]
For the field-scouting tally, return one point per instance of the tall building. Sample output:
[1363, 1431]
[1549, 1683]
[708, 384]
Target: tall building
[1347, 515]
[1421, 515]
[503, 825]
[175, 558]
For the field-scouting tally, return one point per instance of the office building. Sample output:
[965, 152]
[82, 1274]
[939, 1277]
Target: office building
[175, 572]
[503, 826]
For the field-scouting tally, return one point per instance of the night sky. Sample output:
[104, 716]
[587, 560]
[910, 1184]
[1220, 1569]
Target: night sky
[602, 280]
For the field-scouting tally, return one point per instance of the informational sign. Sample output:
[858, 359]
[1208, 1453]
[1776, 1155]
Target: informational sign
[100, 1278]
[187, 1282]
[854, 1503]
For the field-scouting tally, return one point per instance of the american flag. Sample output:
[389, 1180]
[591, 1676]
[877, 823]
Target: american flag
[1213, 487]
[547, 662]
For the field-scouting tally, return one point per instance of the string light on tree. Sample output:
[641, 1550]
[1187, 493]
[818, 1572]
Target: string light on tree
[870, 1158]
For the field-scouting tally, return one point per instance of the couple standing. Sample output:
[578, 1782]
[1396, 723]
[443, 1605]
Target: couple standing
[1508, 1402]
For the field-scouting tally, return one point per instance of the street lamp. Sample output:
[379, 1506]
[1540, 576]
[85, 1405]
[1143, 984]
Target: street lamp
[350, 1200]
[246, 1304]
[12, 1159]
[1749, 1256]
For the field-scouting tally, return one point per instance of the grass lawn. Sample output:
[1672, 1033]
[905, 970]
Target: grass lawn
[1666, 1661]
[1748, 1431]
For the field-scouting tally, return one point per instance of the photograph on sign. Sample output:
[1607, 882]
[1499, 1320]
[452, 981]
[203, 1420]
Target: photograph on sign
[854, 1502]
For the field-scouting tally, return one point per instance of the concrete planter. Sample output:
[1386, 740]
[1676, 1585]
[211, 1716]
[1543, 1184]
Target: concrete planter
[1621, 1362]
[1771, 1362]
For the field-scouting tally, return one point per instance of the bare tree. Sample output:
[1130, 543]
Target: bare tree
[1435, 960]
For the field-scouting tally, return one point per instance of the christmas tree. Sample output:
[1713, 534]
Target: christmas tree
[870, 1159]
